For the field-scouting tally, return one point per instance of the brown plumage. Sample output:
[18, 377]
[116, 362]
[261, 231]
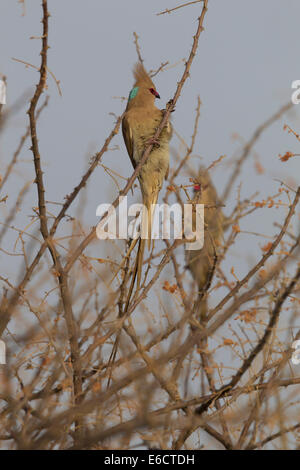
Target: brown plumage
[139, 124]
[141, 76]
[201, 262]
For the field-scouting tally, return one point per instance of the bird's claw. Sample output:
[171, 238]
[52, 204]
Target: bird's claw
[153, 141]
[170, 104]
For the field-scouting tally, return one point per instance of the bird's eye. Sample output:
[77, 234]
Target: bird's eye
[154, 92]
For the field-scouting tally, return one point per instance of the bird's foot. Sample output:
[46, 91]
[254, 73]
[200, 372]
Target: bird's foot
[170, 104]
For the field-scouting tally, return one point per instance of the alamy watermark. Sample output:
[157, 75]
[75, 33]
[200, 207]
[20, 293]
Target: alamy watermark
[296, 95]
[2, 352]
[296, 353]
[187, 222]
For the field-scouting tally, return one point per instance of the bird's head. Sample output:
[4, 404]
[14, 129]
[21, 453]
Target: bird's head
[144, 92]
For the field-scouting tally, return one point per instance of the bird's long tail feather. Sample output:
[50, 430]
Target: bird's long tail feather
[146, 231]
[149, 216]
[140, 259]
[137, 272]
[126, 257]
[112, 357]
[149, 224]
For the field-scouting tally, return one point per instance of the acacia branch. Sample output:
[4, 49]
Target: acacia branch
[62, 276]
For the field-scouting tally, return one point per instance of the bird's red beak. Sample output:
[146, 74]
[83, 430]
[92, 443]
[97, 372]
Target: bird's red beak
[154, 92]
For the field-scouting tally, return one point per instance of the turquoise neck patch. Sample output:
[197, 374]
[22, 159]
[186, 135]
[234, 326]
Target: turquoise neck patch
[133, 93]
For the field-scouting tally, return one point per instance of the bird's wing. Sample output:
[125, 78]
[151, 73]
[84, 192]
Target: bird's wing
[169, 128]
[167, 172]
[128, 139]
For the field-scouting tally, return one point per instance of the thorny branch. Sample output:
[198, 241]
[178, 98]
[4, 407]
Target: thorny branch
[180, 380]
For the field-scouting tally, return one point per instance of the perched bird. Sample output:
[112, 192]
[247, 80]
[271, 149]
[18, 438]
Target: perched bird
[139, 124]
[201, 262]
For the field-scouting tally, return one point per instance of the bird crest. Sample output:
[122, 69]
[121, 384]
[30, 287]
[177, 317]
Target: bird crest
[141, 76]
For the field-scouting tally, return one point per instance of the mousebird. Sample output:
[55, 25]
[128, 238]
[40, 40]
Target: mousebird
[139, 124]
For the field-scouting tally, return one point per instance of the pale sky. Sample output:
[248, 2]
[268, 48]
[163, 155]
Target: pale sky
[245, 65]
[246, 62]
